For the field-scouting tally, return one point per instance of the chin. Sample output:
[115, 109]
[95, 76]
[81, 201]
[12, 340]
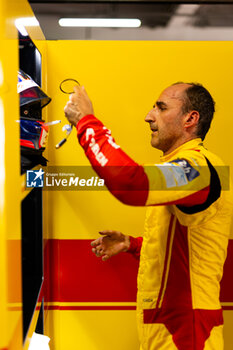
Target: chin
[154, 144]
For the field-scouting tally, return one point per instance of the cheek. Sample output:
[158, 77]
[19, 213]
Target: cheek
[166, 127]
[178, 126]
[170, 129]
[174, 124]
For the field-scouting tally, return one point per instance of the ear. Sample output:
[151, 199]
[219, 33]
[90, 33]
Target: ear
[191, 119]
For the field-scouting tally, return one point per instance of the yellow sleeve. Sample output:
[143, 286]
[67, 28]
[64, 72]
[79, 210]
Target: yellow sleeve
[183, 180]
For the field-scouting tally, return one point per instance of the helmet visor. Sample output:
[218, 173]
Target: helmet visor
[30, 92]
[34, 95]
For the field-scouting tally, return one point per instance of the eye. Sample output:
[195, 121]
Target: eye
[160, 105]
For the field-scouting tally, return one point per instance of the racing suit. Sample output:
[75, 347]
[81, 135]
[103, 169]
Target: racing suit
[185, 240]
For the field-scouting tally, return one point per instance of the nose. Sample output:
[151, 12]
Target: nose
[150, 117]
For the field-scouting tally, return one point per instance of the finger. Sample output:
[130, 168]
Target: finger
[68, 110]
[77, 88]
[96, 252]
[96, 242]
[76, 94]
[93, 250]
[69, 105]
[105, 257]
[72, 116]
[84, 91]
[99, 253]
[71, 110]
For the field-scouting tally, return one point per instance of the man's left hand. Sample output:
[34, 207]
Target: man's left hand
[78, 106]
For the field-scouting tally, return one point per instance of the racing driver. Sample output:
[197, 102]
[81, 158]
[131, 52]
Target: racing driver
[187, 226]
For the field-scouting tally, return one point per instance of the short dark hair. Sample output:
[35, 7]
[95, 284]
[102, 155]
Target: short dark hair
[198, 98]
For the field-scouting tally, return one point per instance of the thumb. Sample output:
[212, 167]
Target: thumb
[111, 233]
[74, 96]
[107, 232]
[77, 89]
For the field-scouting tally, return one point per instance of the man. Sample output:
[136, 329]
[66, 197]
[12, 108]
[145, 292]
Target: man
[187, 223]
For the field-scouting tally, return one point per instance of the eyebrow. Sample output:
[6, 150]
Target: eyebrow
[160, 104]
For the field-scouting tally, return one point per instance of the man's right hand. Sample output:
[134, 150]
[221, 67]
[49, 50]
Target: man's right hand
[78, 106]
[112, 243]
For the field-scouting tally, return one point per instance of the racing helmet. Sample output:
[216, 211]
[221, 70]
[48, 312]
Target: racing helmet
[33, 131]
[33, 134]
[30, 92]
